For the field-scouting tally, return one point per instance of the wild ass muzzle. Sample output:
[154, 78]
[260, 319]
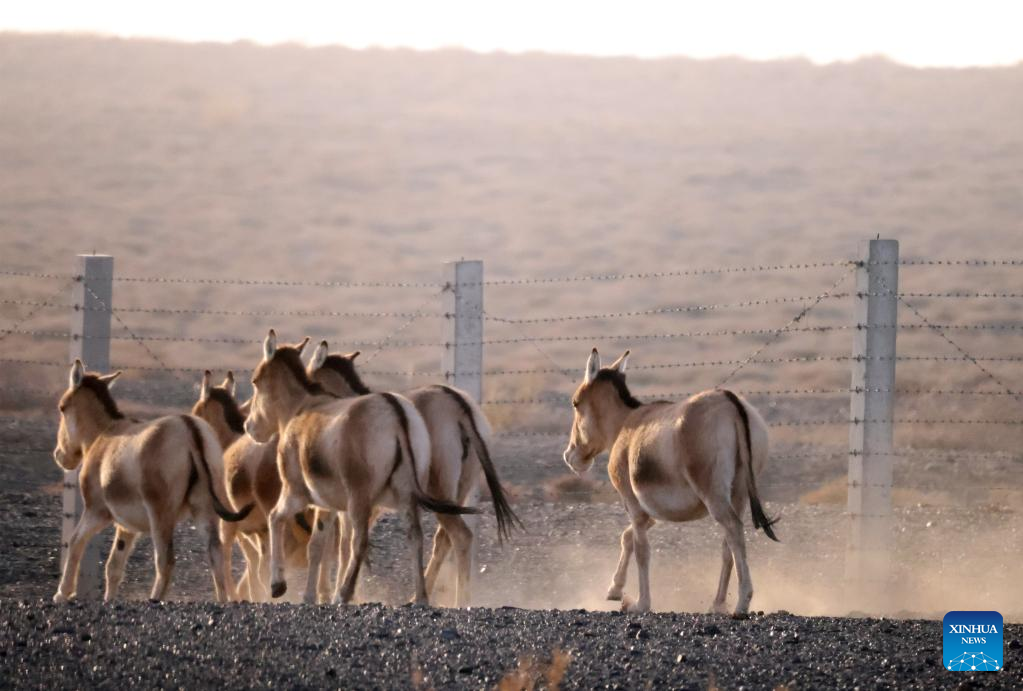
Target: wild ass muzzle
[336, 454]
[251, 476]
[142, 476]
[459, 450]
[672, 462]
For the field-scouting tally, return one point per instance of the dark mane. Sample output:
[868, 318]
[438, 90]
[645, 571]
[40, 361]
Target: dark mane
[232, 413]
[290, 358]
[92, 383]
[617, 380]
[346, 369]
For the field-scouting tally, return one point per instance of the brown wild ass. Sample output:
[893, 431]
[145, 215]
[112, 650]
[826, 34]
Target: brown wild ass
[672, 462]
[458, 430]
[250, 471]
[340, 455]
[142, 476]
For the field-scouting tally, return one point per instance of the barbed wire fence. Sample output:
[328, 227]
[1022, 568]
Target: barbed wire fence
[524, 373]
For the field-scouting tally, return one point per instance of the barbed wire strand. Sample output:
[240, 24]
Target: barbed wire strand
[381, 345]
[124, 326]
[952, 343]
[806, 310]
[16, 326]
[564, 398]
[681, 309]
[387, 343]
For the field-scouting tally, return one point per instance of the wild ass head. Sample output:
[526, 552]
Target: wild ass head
[336, 372]
[600, 405]
[279, 385]
[86, 409]
[218, 406]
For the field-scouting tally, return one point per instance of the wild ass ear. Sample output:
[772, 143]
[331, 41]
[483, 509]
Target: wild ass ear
[109, 379]
[228, 383]
[270, 345]
[352, 355]
[301, 346]
[204, 387]
[319, 357]
[77, 374]
[592, 366]
[620, 364]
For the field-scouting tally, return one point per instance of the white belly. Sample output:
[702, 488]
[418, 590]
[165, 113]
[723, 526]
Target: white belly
[674, 502]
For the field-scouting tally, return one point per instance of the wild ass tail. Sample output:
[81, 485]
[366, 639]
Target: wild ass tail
[760, 519]
[506, 518]
[200, 449]
[405, 441]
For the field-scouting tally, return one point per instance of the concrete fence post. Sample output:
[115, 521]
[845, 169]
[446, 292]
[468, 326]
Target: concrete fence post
[462, 360]
[871, 411]
[91, 299]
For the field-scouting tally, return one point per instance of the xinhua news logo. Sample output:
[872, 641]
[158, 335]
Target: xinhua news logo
[972, 641]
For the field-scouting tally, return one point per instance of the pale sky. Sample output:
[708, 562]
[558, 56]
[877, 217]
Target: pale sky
[915, 32]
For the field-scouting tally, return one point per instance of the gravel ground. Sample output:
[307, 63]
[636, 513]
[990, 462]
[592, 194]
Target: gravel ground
[198, 645]
[563, 559]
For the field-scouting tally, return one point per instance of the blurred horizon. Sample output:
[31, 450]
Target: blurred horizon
[914, 33]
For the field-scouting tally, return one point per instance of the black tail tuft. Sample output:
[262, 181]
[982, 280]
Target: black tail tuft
[421, 498]
[232, 516]
[442, 506]
[218, 506]
[760, 518]
[506, 518]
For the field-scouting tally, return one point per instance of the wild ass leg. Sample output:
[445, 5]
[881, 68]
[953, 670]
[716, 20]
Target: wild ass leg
[322, 543]
[641, 522]
[722, 512]
[415, 541]
[719, 606]
[288, 505]
[124, 544]
[89, 524]
[344, 529]
[616, 591]
[162, 531]
[325, 584]
[358, 520]
[207, 528]
[459, 535]
[228, 534]
[441, 547]
[314, 554]
[250, 587]
[262, 544]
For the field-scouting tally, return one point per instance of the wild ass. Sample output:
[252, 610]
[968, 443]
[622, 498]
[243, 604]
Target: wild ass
[341, 455]
[458, 429]
[250, 471]
[143, 476]
[672, 462]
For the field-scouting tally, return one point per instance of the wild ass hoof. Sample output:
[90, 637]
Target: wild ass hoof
[60, 598]
[740, 616]
[278, 589]
[719, 608]
[614, 593]
[634, 607]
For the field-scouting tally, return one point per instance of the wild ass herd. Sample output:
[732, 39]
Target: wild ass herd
[298, 474]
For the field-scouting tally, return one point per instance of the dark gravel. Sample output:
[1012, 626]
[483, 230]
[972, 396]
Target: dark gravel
[564, 558]
[193, 645]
